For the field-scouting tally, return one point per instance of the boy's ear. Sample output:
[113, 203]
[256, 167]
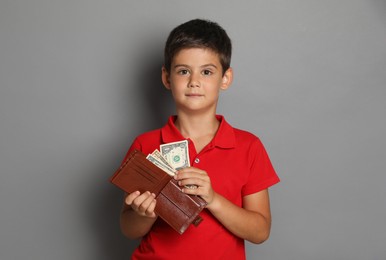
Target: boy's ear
[227, 79]
[165, 78]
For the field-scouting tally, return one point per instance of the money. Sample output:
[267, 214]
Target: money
[157, 154]
[159, 163]
[176, 154]
[173, 156]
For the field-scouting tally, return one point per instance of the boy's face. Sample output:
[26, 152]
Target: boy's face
[195, 79]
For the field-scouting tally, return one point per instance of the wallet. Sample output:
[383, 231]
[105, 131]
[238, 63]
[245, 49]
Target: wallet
[176, 208]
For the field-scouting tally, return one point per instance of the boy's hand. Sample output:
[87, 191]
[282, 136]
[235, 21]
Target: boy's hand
[192, 176]
[143, 204]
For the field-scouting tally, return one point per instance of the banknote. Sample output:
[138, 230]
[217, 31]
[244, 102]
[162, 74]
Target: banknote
[160, 165]
[157, 154]
[176, 153]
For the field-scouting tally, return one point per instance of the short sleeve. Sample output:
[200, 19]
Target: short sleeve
[262, 175]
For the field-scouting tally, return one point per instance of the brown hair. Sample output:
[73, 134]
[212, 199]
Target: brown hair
[199, 33]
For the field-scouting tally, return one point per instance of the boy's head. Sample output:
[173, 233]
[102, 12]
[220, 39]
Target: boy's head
[199, 34]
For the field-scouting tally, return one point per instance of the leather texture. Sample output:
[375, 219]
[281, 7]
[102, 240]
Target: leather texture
[176, 208]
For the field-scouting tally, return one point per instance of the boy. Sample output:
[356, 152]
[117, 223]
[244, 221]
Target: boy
[230, 167]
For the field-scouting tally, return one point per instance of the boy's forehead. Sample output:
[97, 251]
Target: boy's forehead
[196, 54]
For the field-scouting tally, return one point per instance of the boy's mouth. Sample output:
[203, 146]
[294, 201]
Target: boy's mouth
[193, 95]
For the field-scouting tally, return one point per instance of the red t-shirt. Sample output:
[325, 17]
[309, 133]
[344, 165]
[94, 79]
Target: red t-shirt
[237, 164]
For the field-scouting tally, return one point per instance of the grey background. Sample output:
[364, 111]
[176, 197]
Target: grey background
[80, 79]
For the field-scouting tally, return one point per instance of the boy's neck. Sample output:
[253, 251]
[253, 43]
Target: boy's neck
[197, 126]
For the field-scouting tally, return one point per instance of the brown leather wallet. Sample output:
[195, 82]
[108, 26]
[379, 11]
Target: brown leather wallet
[176, 208]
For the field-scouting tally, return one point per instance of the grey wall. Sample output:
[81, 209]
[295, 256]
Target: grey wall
[80, 79]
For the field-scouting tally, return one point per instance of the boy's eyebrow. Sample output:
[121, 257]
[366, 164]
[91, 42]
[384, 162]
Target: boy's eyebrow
[202, 66]
[209, 65]
[180, 65]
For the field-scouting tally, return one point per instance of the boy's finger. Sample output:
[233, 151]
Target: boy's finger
[145, 202]
[191, 169]
[186, 174]
[150, 210]
[131, 197]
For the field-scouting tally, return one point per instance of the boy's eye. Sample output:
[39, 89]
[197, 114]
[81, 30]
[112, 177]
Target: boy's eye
[183, 72]
[207, 72]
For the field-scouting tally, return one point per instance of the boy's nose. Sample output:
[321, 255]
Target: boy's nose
[194, 81]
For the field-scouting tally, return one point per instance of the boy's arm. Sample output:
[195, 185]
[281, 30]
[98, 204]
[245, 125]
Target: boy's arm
[137, 215]
[251, 222]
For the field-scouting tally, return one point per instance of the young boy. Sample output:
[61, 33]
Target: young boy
[230, 167]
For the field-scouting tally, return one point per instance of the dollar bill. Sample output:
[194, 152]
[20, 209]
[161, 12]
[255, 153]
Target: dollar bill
[157, 154]
[176, 153]
[160, 165]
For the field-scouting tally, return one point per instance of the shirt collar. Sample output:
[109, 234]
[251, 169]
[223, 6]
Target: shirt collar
[224, 138]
